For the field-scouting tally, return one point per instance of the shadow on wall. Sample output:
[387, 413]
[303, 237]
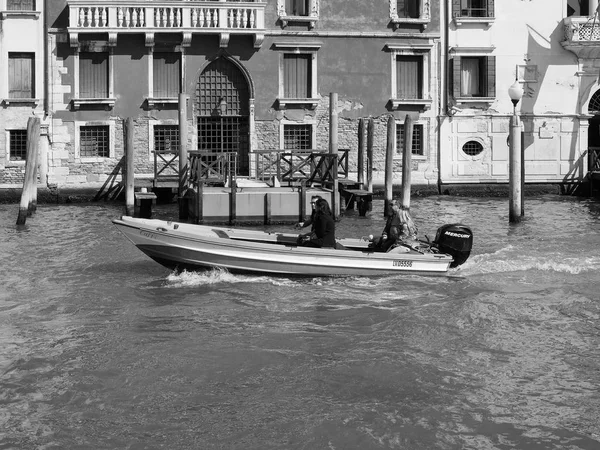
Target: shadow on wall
[541, 50]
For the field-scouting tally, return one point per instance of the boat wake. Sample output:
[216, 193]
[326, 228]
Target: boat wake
[218, 275]
[510, 259]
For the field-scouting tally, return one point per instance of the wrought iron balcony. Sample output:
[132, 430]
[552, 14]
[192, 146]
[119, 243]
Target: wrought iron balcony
[582, 36]
[149, 17]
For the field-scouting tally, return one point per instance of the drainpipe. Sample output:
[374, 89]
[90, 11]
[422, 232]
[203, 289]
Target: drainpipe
[46, 59]
[443, 83]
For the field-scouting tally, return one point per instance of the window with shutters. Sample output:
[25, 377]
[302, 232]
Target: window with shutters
[474, 78]
[410, 12]
[298, 74]
[93, 79]
[473, 11]
[166, 78]
[410, 75]
[93, 75]
[21, 76]
[20, 5]
[298, 11]
[94, 141]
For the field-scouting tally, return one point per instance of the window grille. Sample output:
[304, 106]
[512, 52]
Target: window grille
[222, 80]
[18, 145]
[417, 139]
[594, 106]
[21, 5]
[166, 138]
[297, 137]
[472, 148]
[94, 141]
[473, 8]
[20, 75]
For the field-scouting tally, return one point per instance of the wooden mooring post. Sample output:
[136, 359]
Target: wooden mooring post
[29, 192]
[129, 168]
[360, 166]
[389, 163]
[407, 161]
[183, 158]
[333, 149]
[370, 137]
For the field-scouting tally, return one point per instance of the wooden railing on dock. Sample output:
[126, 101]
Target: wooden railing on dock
[215, 167]
[166, 167]
[290, 166]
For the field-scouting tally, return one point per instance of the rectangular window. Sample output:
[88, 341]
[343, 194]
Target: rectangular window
[166, 74]
[93, 75]
[18, 145]
[408, 9]
[297, 7]
[474, 76]
[297, 76]
[21, 5]
[417, 139]
[297, 137]
[21, 75]
[475, 8]
[409, 76]
[166, 138]
[94, 141]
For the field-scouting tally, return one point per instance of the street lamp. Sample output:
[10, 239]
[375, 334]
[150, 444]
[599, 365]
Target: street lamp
[222, 106]
[515, 163]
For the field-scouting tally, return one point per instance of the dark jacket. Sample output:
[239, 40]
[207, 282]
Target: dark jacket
[324, 228]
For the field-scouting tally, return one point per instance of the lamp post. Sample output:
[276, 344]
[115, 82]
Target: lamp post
[515, 163]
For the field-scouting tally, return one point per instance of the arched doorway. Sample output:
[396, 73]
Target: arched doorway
[223, 111]
[594, 129]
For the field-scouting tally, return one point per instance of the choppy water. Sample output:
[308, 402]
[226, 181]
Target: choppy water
[101, 348]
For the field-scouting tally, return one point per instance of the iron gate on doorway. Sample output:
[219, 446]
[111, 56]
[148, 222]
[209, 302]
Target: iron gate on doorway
[223, 111]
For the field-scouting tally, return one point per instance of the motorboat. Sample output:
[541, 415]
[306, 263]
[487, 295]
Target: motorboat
[184, 246]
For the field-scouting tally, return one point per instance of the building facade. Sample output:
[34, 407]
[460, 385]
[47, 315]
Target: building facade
[22, 88]
[258, 75]
[488, 46]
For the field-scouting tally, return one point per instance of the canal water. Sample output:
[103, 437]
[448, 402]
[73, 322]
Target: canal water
[102, 348]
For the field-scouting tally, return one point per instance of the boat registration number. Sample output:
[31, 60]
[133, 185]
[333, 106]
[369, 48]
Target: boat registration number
[402, 263]
[148, 234]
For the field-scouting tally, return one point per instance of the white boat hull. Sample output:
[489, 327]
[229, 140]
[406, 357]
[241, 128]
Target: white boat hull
[186, 246]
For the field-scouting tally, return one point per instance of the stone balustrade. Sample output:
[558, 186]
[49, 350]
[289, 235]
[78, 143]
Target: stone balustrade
[188, 17]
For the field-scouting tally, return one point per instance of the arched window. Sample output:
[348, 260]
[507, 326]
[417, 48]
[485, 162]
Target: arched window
[594, 106]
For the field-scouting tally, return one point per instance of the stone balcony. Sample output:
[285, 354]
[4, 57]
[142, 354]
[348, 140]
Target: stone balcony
[582, 36]
[114, 18]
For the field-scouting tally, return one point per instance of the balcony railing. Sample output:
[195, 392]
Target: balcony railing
[188, 17]
[581, 29]
[582, 36]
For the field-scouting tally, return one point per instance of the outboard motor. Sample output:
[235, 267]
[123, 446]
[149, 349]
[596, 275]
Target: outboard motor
[456, 240]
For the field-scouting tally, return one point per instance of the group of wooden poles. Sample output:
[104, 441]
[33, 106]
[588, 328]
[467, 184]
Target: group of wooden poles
[29, 194]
